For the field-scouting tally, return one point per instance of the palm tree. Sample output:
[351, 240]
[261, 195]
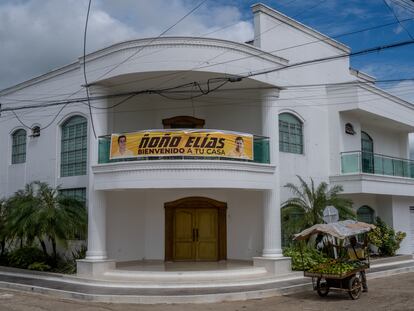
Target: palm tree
[3, 218]
[40, 211]
[19, 224]
[306, 207]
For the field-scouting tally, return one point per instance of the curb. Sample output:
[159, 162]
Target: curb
[306, 285]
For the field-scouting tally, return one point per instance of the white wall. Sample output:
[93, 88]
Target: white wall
[386, 141]
[394, 210]
[401, 221]
[235, 111]
[135, 222]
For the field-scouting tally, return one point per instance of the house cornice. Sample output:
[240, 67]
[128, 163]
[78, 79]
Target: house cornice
[380, 92]
[260, 7]
[167, 42]
[150, 43]
[51, 74]
[362, 75]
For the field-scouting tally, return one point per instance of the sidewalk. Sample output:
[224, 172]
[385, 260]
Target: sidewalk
[73, 287]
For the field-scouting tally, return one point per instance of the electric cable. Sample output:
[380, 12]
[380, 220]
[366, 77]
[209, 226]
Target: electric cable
[84, 69]
[153, 39]
[396, 18]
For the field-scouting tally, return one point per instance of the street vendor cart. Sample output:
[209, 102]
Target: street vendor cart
[338, 272]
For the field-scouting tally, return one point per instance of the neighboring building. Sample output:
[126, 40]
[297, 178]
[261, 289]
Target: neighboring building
[181, 208]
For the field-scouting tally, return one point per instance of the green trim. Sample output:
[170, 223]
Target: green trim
[290, 134]
[74, 147]
[19, 146]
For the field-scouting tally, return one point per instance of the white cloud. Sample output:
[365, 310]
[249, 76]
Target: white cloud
[39, 35]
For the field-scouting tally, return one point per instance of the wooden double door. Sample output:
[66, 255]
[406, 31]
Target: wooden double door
[195, 230]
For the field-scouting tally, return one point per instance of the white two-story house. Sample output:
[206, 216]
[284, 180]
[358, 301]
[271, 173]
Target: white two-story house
[321, 120]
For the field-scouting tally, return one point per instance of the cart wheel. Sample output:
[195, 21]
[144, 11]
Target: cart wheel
[355, 287]
[322, 287]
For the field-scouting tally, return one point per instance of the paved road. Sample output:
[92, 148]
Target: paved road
[394, 293]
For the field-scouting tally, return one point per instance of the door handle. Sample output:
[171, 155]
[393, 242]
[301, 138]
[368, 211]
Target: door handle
[197, 234]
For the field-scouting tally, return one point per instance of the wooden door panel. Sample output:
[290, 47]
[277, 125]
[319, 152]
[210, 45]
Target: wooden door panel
[183, 248]
[207, 251]
[207, 234]
[195, 230]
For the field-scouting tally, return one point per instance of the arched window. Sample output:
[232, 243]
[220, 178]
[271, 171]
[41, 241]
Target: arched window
[365, 214]
[19, 146]
[367, 148]
[290, 134]
[73, 159]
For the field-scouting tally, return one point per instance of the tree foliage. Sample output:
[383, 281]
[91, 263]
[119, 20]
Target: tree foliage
[39, 212]
[305, 208]
[385, 238]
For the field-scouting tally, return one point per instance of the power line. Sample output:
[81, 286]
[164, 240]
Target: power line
[262, 53]
[287, 48]
[396, 18]
[172, 90]
[84, 69]
[323, 59]
[152, 40]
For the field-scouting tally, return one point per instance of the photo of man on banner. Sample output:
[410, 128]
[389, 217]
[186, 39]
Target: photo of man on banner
[122, 151]
[238, 151]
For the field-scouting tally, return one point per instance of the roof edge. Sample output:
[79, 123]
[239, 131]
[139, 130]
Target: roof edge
[362, 75]
[260, 7]
[45, 76]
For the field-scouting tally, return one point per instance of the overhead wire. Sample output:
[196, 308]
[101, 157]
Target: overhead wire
[86, 84]
[84, 70]
[153, 39]
[299, 64]
[273, 51]
[397, 19]
[260, 54]
[172, 91]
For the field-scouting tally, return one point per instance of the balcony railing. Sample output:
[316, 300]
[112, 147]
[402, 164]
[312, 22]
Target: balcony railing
[260, 153]
[372, 163]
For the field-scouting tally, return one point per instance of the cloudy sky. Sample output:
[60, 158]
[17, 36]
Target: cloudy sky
[39, 35]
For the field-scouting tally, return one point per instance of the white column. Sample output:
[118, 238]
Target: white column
[96, 226]
[271, 201]
[96, 199]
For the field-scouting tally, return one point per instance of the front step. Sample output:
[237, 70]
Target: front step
[160, 276]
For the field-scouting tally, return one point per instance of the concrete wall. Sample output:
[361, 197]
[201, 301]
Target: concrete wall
[394, 210]
[234, 111]
[135, 222]
[401, 221]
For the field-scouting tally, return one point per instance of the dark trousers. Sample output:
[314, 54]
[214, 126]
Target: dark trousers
[363, 279]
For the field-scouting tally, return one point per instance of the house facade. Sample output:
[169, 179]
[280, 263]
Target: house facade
[321, 120]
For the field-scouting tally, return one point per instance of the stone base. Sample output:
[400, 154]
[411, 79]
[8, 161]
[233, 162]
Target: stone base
[277, 266]
[90, 268]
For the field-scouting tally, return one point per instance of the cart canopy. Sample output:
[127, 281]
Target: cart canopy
[340, 229]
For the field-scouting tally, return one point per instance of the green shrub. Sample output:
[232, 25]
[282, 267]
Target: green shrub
[25, 256]
[305, 258]
[39, 266]
[385, 238]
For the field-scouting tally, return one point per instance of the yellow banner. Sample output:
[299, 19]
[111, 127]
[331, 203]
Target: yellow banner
[193, 143]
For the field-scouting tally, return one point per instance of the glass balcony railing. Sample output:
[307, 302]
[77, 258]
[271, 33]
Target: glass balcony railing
[260, 153]
[372, 163]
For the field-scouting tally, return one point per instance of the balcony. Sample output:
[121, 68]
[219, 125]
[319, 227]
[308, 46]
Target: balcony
[260, 153]
[184, 172]
[357, 162]
[365, 172]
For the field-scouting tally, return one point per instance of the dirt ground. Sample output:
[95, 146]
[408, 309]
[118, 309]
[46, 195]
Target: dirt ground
[395, 293]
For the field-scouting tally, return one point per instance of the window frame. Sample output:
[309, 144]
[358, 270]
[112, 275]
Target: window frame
[289, 140]
[368, 208]
[15, 155]
[69, 146]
